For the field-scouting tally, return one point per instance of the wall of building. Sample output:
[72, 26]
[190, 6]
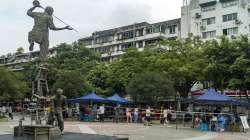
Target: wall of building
[194, 15]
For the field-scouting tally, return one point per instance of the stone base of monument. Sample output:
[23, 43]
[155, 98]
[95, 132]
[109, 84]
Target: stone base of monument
[39, 132]
[18, 131]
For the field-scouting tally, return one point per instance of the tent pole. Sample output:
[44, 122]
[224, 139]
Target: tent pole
[231, 108]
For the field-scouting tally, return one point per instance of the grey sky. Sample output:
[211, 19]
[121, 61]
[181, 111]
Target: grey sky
[86, 16]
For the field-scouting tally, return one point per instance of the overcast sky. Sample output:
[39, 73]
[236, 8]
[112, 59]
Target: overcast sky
[86, 16]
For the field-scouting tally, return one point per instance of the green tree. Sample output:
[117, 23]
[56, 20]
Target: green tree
[70, 67]
[183, 62]
[99, 78]
[12, 85]
[19, 51]
[240, 68]
[219, 56]
[131, 63]
[73, 84]
[150, 87]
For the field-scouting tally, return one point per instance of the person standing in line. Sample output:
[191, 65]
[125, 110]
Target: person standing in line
[94, 112]
[165, 116]
[10, 112]
[117, 113]
[148, 116]
[136, 115]
[102, 112]
[4, 110]
[1, 111]
[128, 115]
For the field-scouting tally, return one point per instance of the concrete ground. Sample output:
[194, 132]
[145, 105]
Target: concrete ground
[135, 131]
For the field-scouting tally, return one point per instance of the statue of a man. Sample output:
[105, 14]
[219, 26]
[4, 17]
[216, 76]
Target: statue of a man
[40, 32]
[58, 101]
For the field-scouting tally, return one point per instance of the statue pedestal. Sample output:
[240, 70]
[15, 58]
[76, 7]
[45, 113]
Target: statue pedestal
[39, 132]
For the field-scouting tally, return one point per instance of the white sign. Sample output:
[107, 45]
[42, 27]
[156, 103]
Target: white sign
[244, 122]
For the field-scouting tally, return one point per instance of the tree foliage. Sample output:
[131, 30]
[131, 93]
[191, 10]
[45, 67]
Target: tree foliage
[156, 72]
[70, 67]
[19, 51]
[150, 87]
[12, 85]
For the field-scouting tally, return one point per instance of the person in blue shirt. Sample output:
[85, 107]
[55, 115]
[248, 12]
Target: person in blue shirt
[221, 122]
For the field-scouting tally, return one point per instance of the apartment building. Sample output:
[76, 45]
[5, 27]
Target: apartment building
[112, 43]
[211, 19]
[14, 61]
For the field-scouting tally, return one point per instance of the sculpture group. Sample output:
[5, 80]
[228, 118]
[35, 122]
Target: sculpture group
[43, 22]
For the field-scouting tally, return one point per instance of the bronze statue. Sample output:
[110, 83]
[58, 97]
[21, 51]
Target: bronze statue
[58, 101]
[40, 32]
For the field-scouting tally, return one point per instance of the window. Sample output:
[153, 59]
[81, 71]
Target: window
[208, 21]
[210, 34]
[208, 8]
[140, 44]
[104, 39]
[126, 46]
[139, 32]
[229, 3]
[229, 17]
[128, 35]
[156, 28]
[149, 30]
[172, 29]
[230, 31]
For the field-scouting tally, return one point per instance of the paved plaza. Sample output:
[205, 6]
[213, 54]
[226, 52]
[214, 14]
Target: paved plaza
[134, 131]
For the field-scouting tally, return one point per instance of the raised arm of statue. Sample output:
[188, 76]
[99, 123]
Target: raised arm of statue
[30, 12]
[53, 27]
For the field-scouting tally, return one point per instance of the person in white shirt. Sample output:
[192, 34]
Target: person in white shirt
[102, 112]
[4, 110]
[148, 116]
[165, 115]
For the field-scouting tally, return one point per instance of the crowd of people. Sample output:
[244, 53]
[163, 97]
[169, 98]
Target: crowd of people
[126, 114]
[217, 120]
[207, 119]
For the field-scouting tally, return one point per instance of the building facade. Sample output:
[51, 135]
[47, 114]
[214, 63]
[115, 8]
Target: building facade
[14, 61]
[112, 43]
[211, 19]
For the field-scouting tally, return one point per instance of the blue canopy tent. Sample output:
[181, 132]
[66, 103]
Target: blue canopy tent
[241, 103]
[92, 97]
[211, 96]
[118, 99]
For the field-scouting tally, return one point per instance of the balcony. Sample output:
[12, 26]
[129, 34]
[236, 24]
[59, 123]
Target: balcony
[116, 53]
[204, 3]
[140, 38]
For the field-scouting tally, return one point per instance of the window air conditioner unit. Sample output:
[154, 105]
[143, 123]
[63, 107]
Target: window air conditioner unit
[238, 22]
[203, 28]
[197, 15]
